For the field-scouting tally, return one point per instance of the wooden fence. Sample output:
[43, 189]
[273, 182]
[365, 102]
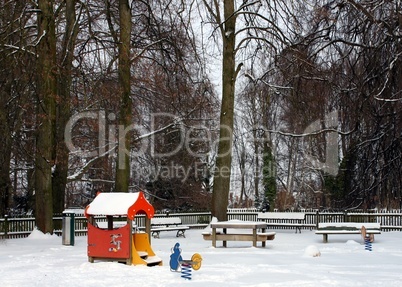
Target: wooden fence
[389, 220]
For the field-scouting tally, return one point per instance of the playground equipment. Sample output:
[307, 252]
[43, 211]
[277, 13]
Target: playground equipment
[117, 240]
[177, 264]
[368, 239]
[367, 244]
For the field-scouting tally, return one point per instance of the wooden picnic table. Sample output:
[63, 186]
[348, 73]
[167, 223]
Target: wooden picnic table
[251, 226]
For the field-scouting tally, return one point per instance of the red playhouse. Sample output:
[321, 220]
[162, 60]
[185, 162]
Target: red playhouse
[117, 240]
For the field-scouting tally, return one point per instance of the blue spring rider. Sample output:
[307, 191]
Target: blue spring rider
[368, 239]
[367, 244]
[177, 264]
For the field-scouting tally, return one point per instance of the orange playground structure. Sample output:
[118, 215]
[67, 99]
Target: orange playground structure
[117, 240]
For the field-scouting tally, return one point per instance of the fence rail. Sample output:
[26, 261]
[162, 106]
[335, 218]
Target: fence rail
[389, 221]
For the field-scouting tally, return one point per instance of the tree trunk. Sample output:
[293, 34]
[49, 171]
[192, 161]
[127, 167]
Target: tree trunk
[5, 156]
[63, 108]
[47, 89]
[123, 159]
[10, 90]
[269, 174]
[268, 160]
[224, 160]
[256, 166]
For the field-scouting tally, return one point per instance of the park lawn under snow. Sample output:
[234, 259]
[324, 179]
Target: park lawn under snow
[42, 260]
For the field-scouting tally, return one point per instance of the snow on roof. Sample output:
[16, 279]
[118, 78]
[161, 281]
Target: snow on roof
[119, 203]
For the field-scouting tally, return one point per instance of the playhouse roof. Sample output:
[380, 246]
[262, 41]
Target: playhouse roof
[119, 203]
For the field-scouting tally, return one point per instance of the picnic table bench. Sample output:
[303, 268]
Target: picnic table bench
[284, 219]
[326, 228]
[159, 224]
[255, 235]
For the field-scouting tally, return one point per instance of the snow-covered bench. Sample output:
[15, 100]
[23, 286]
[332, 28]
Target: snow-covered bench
[326, 228]
[159, 224]
[249, 231]
[284, 219]
[260, 237]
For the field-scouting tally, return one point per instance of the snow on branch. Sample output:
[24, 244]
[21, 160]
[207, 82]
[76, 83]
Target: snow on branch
[390, 68]
[81, 171]
[308, 134]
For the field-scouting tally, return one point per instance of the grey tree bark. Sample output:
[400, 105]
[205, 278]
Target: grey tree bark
[46, 115]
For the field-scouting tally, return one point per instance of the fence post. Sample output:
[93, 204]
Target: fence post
[345, 216]
[317, 219]
[6, 226]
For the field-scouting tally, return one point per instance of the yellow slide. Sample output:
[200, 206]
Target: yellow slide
[141, 251]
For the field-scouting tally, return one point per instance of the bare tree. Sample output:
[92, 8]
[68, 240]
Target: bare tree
[374, 146]
[346, 59]
[259, 28]
[225, 22]
[47, 93]
[65, 76]
[166, 76]
[125, 119]
[11, 20]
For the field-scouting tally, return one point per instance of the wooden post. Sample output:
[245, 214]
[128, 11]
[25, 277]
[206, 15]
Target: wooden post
[224, 232]
[148, 228]
[109, 222]
[129, 261]
[91, 220]
[263, 242]
[214, 237]
[255, 237]
[6, 226]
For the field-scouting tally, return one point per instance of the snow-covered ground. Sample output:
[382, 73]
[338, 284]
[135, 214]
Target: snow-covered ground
[42, 260]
